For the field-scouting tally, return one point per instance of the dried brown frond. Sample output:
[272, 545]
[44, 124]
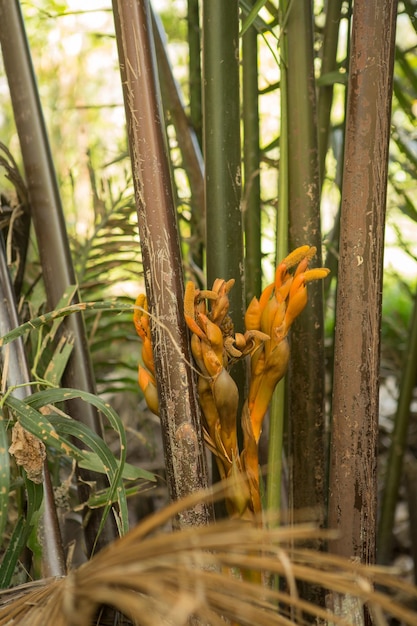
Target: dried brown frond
[158, 578]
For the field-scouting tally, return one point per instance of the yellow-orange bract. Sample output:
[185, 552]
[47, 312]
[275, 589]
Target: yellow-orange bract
[146, 377]
[280, 303]
[215, 347]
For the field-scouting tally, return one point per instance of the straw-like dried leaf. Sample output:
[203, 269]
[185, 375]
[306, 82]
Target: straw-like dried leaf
[158, 578]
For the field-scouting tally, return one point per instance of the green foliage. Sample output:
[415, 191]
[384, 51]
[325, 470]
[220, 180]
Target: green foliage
[174, 20]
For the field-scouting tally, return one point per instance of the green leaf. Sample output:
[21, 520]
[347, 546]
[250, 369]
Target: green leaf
[100, 499]
[37, 424]
[59, 360]
[37, 322]
[331, 78]
[253, 17]
[10, 557]
[21, 533]
[34, 494]
[130, 472]
[65, 300]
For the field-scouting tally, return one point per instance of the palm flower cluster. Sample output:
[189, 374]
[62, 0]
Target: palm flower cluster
[216, 348]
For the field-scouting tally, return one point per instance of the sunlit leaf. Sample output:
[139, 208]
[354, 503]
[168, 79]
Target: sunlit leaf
[130, 472]
[253, 17]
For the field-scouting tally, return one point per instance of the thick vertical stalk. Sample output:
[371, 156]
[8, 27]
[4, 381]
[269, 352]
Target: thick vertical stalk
[198, 220]
[221, 130]
[277, 412]
[221, 149]
[194, 51]
[251, 163]
[306, 374]
[181, 428]
[48, 219]
[328, 65]
[188, 142]
[283, 182]
[353, 488]
[394, 470]
[332, 254]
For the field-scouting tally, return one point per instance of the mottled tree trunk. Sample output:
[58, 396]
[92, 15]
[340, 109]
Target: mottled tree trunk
[179, 413]
[353, 487]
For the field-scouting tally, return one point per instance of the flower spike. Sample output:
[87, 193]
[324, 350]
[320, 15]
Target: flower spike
[215, 348]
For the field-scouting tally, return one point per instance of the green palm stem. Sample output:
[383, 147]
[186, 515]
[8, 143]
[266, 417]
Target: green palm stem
[180, 418]
[353, 480]
[221, 141]
[306, 371]
[198, 224]
[53, 558]
[332, 255]
[221, 129]
[251, 203]
[394, 468]
[277, 409]
[305, 380]
[187, 141]
[194, 63]
[332, 244]
[49, 223]
[328, 67]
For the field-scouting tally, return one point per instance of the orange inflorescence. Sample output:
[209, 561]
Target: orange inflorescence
[146, 377]
[215, 347]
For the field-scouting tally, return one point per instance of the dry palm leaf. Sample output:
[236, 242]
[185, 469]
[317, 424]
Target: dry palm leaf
[159, 578]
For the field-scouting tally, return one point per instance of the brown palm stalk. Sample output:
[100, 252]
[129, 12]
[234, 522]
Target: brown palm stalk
[178, 409]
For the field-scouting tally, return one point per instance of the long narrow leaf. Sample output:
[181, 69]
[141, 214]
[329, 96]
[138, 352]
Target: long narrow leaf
[10, 557]
[253, 17]
[20, 534]
[130, 472]
[41, 320]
